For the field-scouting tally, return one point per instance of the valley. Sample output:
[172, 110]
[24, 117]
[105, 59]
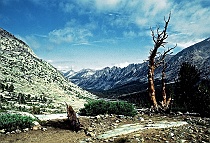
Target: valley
[29, 84]
[104, 71]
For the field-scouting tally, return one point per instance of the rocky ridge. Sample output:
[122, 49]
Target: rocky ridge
[114, 77]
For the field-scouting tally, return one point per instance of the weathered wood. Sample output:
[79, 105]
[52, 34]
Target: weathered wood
[159, 41]
[72, 118]
[163, 84]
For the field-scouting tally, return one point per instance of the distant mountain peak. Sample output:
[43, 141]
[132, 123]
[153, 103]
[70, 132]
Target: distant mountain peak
[113, 77]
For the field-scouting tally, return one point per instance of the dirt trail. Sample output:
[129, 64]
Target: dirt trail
[129, 128]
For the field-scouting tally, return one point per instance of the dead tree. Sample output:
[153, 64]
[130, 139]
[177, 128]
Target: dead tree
[72, 118]
[159, 41]
[165, 102]
[163, 84]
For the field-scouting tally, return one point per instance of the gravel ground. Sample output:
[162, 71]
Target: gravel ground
[197, 130]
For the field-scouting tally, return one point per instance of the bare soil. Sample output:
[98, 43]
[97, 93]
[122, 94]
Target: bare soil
[52, 135]
[198, 130]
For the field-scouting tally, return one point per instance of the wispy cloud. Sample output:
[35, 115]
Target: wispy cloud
[71, 33]
[130, 34]
[106, 4]
[107, 25]
[189, 23]
[128, 18]
[122, 65]
[66, 7]
[185, 14]
[62, 35]
[62, 65]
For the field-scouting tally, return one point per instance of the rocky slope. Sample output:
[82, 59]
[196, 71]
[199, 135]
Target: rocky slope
[76, 76]
[26, 80]
[111, 78]
[197, 54]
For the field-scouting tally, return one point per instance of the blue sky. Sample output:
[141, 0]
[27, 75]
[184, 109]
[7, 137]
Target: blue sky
[76, 34]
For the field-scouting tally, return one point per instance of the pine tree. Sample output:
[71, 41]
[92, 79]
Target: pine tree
[186, 86]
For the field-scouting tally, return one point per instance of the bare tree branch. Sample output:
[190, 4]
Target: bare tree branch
[159, 41]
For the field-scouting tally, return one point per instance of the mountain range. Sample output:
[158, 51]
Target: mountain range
[134, 77]
[26, 80]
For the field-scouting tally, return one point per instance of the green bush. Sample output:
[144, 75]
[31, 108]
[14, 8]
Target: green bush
[96, 107]
[11, 122]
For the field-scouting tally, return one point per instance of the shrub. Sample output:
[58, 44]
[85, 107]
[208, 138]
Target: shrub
[96, 107]
[11, 122]
[36, 110]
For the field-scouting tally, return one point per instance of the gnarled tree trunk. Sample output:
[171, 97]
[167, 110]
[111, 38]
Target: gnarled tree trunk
[151, 85]
[159, 40]
[163, 84]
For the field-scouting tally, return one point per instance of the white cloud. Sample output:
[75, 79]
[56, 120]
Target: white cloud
[190, 18]
[62, 65]
[50, 61]
[71, 33]
[141, 21]
[62, 35]
[63, 68]
[115, 19]
[122, 65]
[101, 5]
[190, 22]
[129, 34]
[66, 7]
[106, 4]
[123, 12]
[182, 40]
[153, 7]
[141, 13]
[188, 43]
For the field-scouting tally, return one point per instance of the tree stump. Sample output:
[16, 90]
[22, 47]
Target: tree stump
[73, 121]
